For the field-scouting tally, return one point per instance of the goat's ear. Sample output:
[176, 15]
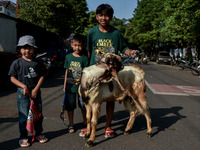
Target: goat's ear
[107, 60]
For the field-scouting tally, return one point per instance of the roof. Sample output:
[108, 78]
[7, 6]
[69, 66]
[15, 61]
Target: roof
[8, 5]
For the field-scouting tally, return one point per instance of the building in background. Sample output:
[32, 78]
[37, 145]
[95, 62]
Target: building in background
[8, 8]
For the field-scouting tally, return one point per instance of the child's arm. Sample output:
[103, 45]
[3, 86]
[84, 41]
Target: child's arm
[19, 84]
[37, 87]
[130, 52]
[65, 81]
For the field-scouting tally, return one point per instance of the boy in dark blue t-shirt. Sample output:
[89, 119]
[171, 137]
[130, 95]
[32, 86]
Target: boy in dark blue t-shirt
[27, 74]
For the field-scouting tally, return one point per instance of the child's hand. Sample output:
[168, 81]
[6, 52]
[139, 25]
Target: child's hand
[26, 91]
[134, 51]
[33, 94]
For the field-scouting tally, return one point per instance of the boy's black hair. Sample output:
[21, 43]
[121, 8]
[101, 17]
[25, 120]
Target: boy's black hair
[79, 38]
[105, 7]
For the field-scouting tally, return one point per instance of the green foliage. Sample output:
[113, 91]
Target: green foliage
[158, 23]
[145, 27]
[120, 24]
[92, 21]
[59, 16]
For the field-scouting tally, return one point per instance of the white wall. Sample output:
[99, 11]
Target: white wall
[8, 35]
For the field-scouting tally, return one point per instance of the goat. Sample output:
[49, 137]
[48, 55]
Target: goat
[131, 77]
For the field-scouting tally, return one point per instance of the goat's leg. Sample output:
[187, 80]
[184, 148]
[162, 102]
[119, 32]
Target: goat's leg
[132, 112]
[148, 119]
[94, 121]
[145, 107]
[88, 117]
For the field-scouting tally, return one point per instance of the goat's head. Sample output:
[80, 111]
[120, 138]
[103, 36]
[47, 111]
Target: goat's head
[114, 61]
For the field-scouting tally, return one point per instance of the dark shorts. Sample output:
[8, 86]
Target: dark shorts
[70, 101]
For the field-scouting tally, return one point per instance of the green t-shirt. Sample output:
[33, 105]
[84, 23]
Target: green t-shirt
[96, 38]
[75, 66]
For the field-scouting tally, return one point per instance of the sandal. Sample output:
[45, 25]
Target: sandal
[71, 129]
[83, 132]
[24, 143]
[109, 133]
[41, 138]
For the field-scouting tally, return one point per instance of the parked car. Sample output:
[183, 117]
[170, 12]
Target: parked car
[163, 57]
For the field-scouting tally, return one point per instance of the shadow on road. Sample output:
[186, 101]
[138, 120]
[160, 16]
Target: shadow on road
[14, 143]
[3, 120]
[10, 145]
[55, 75]
[55, 78]
[7, 91]
[162, 119]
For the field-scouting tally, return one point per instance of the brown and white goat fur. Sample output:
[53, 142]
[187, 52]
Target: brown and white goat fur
[131, 77]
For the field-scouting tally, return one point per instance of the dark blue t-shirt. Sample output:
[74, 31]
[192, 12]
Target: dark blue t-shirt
[27, 72]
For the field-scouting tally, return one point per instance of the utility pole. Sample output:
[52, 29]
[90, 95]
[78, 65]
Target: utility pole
[17, 8]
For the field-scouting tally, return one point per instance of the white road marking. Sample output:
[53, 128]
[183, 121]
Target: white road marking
[187, 91]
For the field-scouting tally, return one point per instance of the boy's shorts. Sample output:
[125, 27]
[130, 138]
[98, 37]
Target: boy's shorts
[70, 101]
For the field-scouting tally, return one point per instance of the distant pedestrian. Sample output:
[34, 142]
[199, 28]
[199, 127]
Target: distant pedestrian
[27, 73]
[74, 64]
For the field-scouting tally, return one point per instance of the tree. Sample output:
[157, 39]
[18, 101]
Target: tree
[120, 24]
[59, 16]
[181, 24]
[92, 21]
[162, 23]
[145, 25]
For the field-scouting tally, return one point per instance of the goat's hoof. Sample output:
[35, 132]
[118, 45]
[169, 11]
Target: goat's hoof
[86, 137]
[149, 135]
[89, 144]
[126, 132]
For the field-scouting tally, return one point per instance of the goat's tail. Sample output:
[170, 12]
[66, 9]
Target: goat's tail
[84, 94]
[139, 101]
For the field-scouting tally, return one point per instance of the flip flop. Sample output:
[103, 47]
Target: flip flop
[109, 133]
[24, 143]
[83, 132]
[41, 138]
[71, 129]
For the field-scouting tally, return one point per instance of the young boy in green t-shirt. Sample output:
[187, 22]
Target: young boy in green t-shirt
[74, 64]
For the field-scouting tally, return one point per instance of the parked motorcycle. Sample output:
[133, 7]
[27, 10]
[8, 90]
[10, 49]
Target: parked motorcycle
[46, 61]
[183, 64]
[195, 67]
[174, 61]
[56, 61]
[144, 60]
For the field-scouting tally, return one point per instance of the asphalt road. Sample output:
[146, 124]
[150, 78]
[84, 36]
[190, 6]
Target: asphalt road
[173, 97]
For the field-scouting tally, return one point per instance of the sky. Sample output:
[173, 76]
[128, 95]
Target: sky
[122, 8]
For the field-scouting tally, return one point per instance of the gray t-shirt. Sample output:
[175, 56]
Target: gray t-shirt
[27, 72]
